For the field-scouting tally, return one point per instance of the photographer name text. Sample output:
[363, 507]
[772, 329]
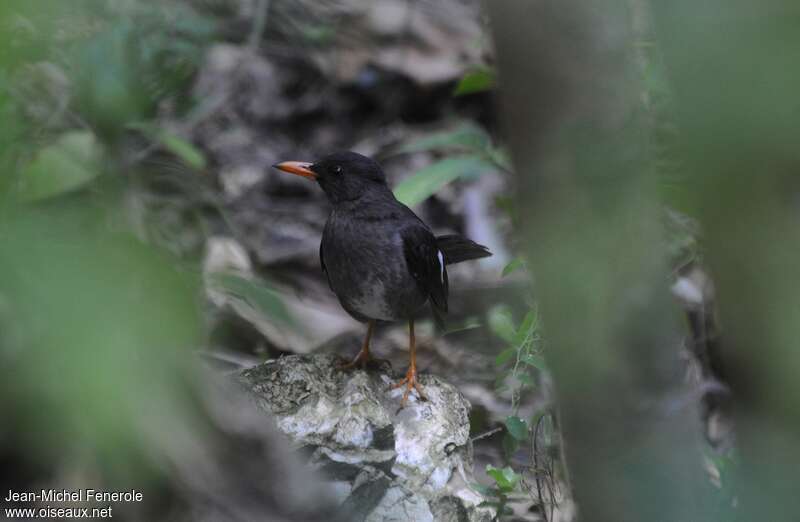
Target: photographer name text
[78, 495]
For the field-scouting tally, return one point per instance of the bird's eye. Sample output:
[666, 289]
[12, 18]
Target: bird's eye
[337, 169]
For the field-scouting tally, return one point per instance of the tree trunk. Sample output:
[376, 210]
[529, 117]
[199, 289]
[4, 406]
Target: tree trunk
[570, 103]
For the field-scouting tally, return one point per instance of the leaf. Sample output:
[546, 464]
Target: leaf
[527, 326]
[501, 324]
[470, 323]
[66, 165]
[537, 361]
[183, 149]
[479, 80]
[180, 147]
[515, 264]
[506, 479]
[466, 137]
[517, 427]
[262, 298]
[505, 356]
[428, 181]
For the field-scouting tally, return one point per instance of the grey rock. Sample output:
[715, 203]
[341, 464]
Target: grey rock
[386, 463]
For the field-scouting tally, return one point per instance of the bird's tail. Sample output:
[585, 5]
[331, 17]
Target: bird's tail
[456, 249]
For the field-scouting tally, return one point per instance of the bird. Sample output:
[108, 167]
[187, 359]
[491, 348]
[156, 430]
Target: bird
[381, 260]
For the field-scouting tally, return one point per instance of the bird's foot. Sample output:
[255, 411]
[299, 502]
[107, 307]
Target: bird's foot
[411, 383]
[362, 360]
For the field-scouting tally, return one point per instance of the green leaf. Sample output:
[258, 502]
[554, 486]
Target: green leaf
[517, 427]
[66, 165]
[515, 264]
[506, 479]
[537, 361]
[505, 356]
[470, 323]
[183, 149]
[501, 324]
[479, 80]
[426, 182]
[525, 328]
[467, 137]
[262, 298]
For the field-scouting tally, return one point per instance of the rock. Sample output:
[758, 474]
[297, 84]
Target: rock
[388, 464]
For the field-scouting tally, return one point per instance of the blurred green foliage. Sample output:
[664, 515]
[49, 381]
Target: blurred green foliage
[96, 327]
[72, 161]
[95, 331]
[76, 81]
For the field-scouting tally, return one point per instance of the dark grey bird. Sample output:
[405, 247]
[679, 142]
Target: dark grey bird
[381, 260]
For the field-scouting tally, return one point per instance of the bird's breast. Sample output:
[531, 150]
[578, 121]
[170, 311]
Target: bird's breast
[367, 270]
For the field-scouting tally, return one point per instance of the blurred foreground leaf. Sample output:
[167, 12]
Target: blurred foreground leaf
[95, 329]
[69, 163]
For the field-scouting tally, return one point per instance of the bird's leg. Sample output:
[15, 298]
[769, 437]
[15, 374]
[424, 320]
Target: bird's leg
[410, 380]
[363, 356]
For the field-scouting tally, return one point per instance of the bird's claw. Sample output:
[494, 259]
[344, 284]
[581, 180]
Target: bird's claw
[410, 382]
[362, 360]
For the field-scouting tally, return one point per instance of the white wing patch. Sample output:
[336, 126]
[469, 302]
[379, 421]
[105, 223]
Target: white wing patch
[441, 266]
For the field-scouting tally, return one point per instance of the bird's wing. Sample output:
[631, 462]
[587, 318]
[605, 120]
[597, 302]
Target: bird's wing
[322, 263]
[426, 263]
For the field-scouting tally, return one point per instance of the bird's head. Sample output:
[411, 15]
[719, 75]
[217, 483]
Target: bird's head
[344, 176]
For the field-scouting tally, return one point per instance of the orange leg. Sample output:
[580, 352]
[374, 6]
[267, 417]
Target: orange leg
[363, 356]
[410, 380]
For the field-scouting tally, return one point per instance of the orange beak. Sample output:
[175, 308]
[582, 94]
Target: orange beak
[299, 168]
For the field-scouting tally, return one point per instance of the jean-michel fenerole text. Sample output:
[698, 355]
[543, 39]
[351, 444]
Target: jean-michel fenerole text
[78, 495]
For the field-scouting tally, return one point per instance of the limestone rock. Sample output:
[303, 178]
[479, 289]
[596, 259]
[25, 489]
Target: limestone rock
[389, 464]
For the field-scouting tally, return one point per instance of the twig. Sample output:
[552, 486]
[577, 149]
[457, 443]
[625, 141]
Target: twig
[486, 434]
